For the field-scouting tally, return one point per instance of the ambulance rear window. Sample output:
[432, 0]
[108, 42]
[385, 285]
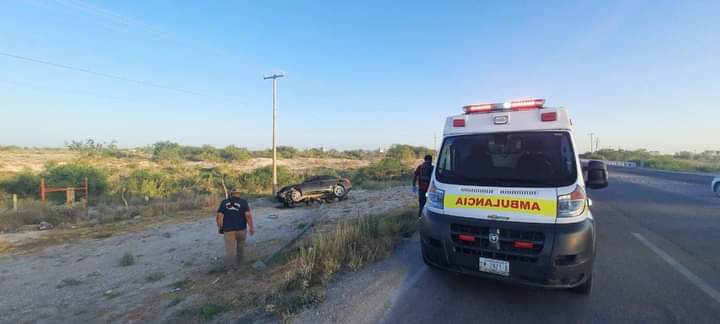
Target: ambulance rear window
[523, 159]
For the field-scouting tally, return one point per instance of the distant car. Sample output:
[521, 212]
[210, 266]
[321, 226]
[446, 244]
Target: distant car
[322, 188]
[716, 186]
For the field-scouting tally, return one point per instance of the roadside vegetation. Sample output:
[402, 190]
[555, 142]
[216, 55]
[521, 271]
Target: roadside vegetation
[296, 279]
[707, 161]
[132, 184]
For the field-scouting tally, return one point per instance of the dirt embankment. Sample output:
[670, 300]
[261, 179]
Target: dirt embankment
[92, 280]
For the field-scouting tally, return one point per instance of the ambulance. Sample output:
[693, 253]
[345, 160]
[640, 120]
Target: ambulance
[508, 198]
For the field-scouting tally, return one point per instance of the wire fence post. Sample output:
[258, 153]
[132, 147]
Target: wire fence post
[15, 202]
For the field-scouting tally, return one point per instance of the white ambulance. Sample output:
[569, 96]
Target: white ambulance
[507, 199]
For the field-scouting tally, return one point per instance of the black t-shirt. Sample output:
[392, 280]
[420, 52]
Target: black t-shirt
[233, 210]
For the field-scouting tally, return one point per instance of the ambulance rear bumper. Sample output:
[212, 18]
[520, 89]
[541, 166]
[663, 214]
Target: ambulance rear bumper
[562, 256]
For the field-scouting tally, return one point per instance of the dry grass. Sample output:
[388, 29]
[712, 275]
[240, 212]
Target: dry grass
[155, 276]
[350, 245]
[291, 283]
[127, 260]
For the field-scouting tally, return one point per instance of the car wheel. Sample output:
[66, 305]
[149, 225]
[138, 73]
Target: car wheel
[339, 191]
[294, 195]
[586, 287]
[717, 189]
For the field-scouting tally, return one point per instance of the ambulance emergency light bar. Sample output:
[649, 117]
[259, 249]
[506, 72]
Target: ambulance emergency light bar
[515, 105]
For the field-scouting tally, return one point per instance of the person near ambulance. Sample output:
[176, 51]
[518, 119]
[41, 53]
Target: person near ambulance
[421, 181]
[234, 219]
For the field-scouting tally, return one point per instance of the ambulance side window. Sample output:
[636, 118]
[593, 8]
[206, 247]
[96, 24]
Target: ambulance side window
[446, 159]
[567, 154]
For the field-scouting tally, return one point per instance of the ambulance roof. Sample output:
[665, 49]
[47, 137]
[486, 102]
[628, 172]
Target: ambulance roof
[497, 118]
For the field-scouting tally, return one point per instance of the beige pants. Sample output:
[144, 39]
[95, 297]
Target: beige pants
[234, 247]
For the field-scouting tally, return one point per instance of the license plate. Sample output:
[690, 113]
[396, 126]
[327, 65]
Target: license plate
[495, 266]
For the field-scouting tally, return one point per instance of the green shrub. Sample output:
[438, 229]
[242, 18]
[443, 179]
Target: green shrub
[24, 184]
[154, 184]
[408, 152]
[72, 175]
[389, 169]
[260, 180]
[232, 153]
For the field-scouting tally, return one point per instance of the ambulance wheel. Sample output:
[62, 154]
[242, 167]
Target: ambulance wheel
[424, 255]
[717, 189]
[586, 287]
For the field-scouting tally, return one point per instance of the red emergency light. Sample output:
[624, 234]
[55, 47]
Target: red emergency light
[458, 122]
[548, 116]
[466, 238]
[482, 108]
[524, 104]
[523, 245]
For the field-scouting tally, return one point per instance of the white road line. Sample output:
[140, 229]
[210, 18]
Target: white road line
[704, 286]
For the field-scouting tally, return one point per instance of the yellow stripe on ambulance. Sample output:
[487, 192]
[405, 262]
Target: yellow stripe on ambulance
[538, 207]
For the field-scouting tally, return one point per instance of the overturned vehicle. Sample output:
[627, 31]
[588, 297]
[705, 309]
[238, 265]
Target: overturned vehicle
[316, 189]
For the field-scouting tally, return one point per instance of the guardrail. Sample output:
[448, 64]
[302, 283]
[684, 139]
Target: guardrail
[682, 176]
[615, 163]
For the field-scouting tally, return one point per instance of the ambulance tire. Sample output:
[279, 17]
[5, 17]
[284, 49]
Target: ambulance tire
[425, 257]
[585, 288]
[717, 189]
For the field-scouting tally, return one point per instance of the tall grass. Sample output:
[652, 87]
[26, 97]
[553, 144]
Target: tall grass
[349, 246]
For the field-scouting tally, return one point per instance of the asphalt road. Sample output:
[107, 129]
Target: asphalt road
[658, 261]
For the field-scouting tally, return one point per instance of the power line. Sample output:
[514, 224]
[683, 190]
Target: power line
[122, 20]
[101, 74]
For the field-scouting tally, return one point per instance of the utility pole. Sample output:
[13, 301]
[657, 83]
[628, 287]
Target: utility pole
[274, 78]
[597, 143]
[591, 142]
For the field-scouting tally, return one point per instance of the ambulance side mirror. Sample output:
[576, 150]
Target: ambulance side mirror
[597, 175]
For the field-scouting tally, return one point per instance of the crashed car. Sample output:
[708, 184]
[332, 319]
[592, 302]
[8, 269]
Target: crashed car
[316, 189]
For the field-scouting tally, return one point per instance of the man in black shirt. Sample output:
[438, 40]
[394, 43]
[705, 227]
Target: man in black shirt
[233, 219]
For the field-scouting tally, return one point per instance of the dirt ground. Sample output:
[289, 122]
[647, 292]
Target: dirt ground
[85, 280]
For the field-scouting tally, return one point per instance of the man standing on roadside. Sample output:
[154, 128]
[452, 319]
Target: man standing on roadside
[421, 181]
[233, 220]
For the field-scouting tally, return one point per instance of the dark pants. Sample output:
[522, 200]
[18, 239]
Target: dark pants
[421, 201]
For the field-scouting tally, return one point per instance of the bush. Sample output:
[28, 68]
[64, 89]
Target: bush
[389, 169]
[408, 152]
[154, 184]
[33, 212]
[73, 175]
[24, 184]
[232, 153]
[127, 260]
[260, 180]
[166, 151]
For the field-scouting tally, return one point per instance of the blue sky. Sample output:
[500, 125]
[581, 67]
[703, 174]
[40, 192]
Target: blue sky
[360, 74]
